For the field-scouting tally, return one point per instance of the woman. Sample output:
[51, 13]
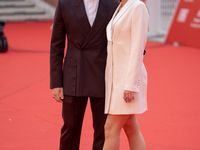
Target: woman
[126, 77]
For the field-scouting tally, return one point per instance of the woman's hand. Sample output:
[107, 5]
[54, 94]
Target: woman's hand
[128, 96]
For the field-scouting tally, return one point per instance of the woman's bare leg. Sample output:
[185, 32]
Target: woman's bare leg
[135, 138]
[113, 126]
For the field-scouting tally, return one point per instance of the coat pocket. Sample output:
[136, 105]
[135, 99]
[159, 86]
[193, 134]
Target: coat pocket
[69, 77]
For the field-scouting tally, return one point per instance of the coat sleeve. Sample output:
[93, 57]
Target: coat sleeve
[57, 49]
[139, 30]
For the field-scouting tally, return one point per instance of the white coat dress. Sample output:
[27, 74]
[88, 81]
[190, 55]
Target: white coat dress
[127, 36]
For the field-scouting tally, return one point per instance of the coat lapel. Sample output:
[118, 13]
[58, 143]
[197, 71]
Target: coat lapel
[80, 13]
[109, 29]
[123, 10]
[102, 13]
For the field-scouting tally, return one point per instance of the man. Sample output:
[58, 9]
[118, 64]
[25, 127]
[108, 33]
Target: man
[81, 74]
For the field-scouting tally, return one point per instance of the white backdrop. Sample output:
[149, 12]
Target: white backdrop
[161, 14]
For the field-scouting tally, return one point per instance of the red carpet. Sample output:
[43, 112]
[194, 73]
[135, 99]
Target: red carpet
[31, 119]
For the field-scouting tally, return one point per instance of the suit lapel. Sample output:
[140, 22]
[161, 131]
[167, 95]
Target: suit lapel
[80, 13]
[102, 13]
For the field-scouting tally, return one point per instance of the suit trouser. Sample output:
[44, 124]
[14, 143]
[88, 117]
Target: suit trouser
[73, 112]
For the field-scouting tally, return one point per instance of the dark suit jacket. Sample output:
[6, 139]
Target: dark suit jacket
[83, 70]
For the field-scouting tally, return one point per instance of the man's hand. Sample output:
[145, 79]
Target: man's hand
[128, 96]
[58, 94]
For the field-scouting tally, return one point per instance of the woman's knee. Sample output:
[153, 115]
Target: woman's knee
[107, 130]
[131, 127]
[113, 126]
